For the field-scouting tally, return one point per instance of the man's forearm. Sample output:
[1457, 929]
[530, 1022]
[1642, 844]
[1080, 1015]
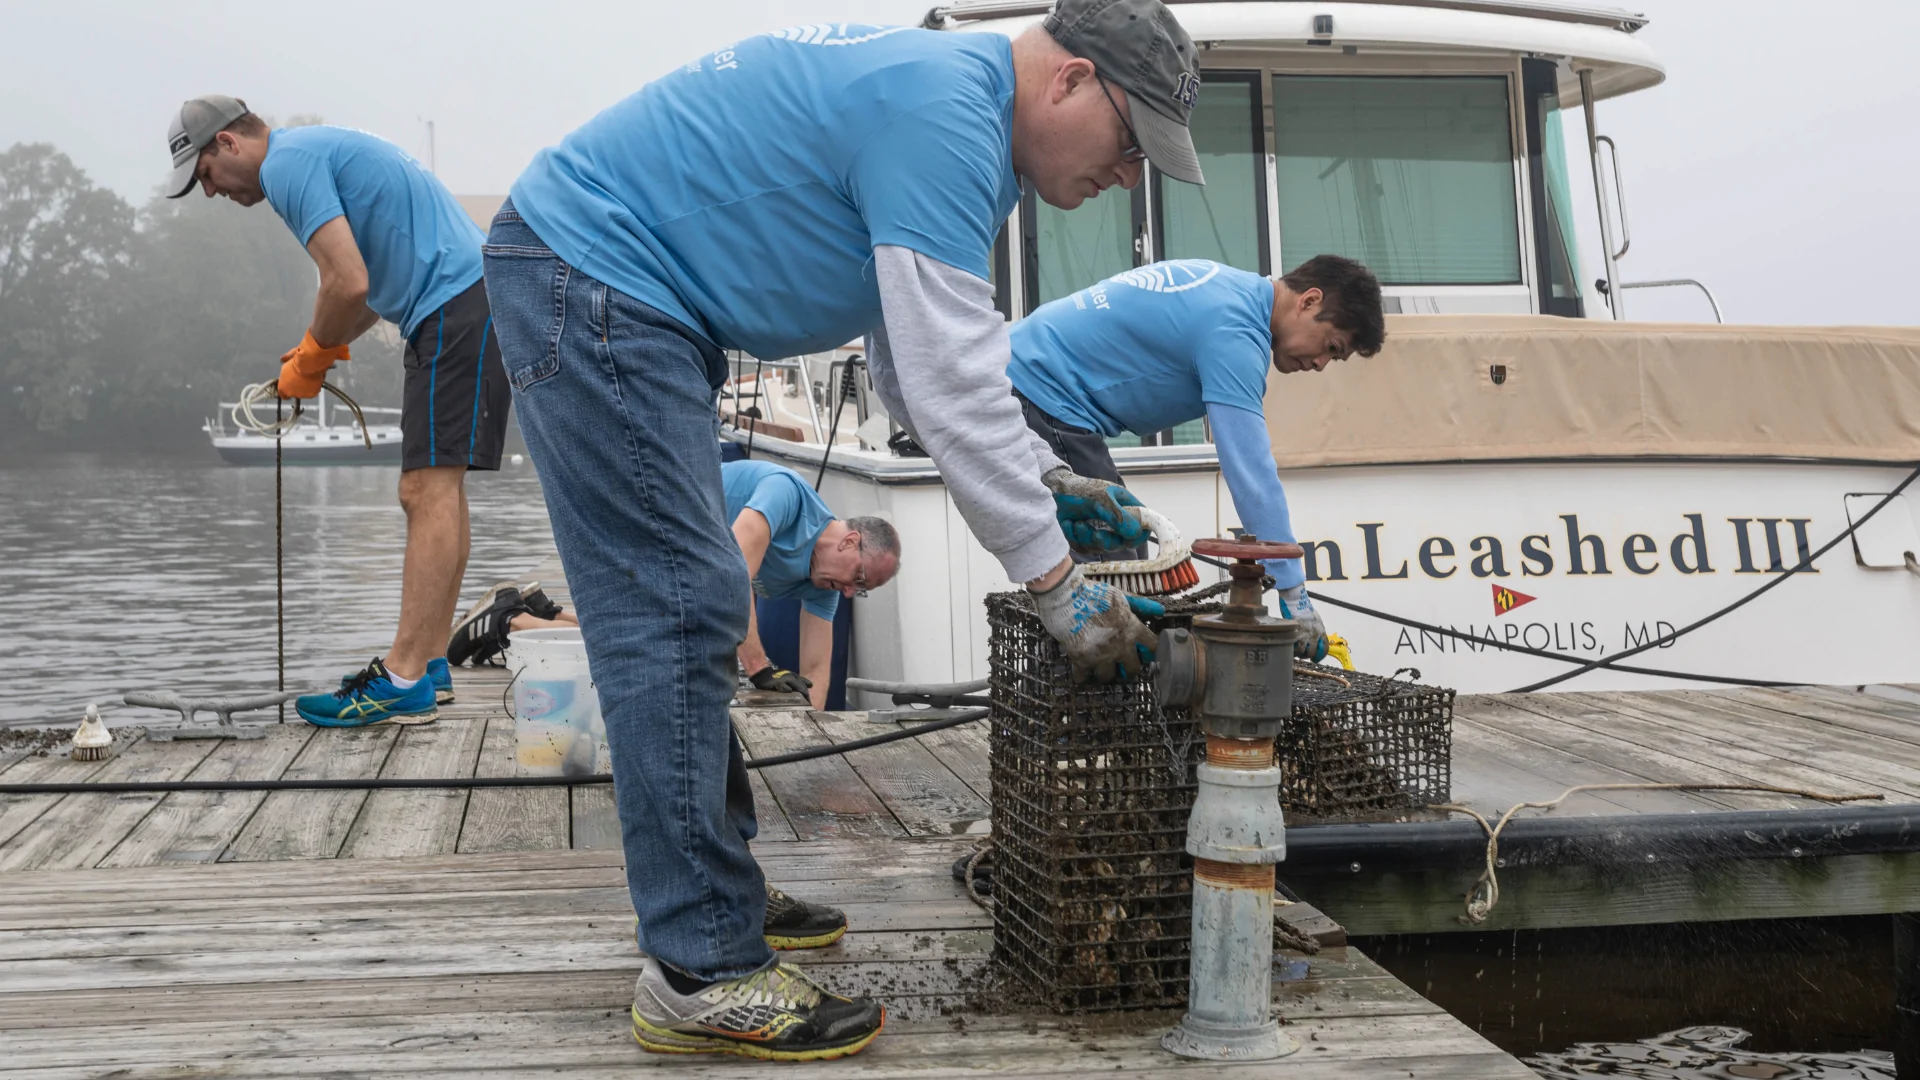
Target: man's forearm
[943, 374]
[753, 656]
[340, 315]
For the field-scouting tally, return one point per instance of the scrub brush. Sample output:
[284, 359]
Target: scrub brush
[93, 741]
[1170, 571]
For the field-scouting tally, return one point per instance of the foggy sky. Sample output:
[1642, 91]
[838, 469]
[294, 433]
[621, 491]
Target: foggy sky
[1777, 163]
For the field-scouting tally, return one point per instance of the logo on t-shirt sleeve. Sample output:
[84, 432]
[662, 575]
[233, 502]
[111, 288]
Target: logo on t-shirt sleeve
[836, 33]
[1169, 277]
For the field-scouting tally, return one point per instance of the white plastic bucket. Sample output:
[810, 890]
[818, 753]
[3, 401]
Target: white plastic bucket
[557, 726]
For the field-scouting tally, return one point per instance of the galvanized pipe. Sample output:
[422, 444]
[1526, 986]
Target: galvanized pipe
[1235, 671]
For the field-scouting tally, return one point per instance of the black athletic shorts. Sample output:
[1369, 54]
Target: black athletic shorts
[453, 409]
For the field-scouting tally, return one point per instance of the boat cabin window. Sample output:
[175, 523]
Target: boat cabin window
[1550, 192]
[1225, 220]
[1412, 175]
[1068, 250]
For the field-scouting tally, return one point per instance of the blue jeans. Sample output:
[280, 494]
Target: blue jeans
[617, 403]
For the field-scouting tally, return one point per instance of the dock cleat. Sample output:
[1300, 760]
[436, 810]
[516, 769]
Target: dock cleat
[774, 1014]
[796, 924]
[369, 698]
[441, 675]
[481, 635]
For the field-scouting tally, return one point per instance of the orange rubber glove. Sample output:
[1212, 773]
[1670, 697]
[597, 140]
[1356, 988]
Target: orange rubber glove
[305, 365]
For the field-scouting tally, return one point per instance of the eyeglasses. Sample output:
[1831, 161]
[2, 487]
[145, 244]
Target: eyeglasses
[1133, 154]
[860, 572]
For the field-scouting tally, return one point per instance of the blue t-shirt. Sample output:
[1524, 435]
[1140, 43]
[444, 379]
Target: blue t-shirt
[1148, 348]
[420, 248]
[795, 517]
[743, 194]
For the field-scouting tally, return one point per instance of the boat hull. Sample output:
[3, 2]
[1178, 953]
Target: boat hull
[1587, 559]
[346, 450]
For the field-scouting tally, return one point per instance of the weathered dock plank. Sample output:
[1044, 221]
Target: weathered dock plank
[823, 798]
[420, 821]
[512, 819]
[1535, 717]
[83, 828]
[514, 983]
[197, 826]
[19, 811]
[921, 792]
[1764, 746]
[313, 824]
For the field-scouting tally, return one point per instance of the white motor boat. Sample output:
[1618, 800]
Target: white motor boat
[1521, 464]
[318, 439]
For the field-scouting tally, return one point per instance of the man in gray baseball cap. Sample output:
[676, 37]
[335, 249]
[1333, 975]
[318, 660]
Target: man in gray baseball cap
[1140, 47]
[389, 241]
[193, 130]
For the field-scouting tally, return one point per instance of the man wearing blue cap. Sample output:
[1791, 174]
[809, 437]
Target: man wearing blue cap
[391, 243]
[779, 196]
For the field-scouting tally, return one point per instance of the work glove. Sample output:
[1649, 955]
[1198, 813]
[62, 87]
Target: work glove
[1294, 604]
[781, 680]
[1099, 627]
[304, 367]
[1098, 516]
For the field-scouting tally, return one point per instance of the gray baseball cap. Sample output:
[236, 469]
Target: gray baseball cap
[194, 127]
[1139, 46]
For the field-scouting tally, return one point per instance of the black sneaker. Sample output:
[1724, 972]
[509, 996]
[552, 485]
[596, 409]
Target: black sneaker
[482, 634]
[796, 924]
[538, 605]
[775, 1014]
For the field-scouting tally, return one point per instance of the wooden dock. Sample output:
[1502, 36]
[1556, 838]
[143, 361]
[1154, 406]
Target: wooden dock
[456, 932]
[448, 933]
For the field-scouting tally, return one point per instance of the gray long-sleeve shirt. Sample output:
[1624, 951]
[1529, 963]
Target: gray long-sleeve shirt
[940, 365]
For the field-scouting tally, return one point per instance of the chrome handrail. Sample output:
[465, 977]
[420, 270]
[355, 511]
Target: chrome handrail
[1619, 197]
[1678, 282]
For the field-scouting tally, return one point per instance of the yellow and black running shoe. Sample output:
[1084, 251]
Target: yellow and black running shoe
[775, 1014]
[796, 924]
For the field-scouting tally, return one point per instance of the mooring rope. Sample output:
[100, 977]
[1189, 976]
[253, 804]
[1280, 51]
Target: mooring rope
[978, 893]
[1485, 893]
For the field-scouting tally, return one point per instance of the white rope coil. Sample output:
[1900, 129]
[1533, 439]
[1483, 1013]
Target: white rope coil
[257, 394]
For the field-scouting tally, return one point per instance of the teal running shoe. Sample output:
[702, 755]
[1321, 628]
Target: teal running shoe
[369, 698]
[441, 676]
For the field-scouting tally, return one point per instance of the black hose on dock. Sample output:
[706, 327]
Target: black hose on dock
[384, 783]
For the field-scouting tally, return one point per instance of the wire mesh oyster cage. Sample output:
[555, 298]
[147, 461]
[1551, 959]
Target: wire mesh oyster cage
[1091, 792]
[1372, 749]
[1092, 787]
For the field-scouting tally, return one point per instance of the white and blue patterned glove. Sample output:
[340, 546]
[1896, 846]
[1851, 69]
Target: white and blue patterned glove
[1295, 604]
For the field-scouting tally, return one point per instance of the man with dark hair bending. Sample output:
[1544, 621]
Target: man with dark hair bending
[390, 243]
[1167, 343]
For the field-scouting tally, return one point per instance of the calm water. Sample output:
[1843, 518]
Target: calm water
[126, 573]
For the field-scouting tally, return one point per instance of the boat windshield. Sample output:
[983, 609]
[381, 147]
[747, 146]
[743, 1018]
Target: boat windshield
[1412, 175]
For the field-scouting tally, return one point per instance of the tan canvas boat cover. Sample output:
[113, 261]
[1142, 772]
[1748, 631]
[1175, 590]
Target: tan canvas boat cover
[1504, 387]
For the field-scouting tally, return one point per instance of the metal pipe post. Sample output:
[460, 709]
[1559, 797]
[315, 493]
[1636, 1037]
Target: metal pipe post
[1235, 671]
[1615, 302]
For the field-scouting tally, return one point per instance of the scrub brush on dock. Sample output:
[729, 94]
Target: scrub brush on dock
[93, 741]
[1170, 571]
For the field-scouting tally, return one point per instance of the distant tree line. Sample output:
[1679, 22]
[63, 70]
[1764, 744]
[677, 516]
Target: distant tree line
[123, 328]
